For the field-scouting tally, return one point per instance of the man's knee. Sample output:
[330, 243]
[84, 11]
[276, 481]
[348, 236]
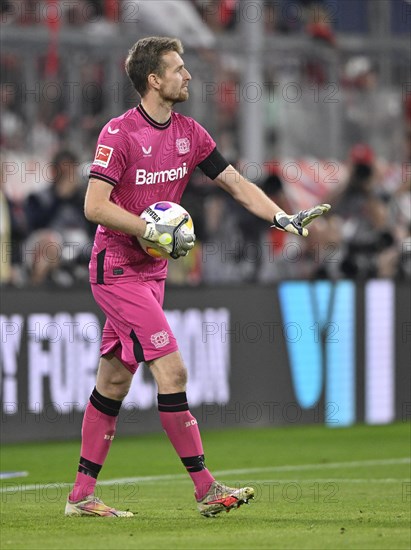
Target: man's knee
[173, 381]
[179, 377]
[113, 379]
[115, 389]
[169, 373]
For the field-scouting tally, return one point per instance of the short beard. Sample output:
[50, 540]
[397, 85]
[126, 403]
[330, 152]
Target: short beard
[181, 99]
[175, 100]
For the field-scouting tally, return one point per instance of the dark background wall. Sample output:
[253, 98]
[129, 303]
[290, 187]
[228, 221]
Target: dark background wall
[298, 352]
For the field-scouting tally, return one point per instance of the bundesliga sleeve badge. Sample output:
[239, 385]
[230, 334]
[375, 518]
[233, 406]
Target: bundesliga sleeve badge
[103, 155]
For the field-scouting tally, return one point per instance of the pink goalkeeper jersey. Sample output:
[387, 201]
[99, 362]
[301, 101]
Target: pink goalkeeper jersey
[145, 162]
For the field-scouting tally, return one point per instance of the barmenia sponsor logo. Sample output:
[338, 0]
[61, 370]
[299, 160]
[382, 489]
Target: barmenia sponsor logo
[144, 177]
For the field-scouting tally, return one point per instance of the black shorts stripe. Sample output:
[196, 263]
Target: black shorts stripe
[100, 266]
[137, 347]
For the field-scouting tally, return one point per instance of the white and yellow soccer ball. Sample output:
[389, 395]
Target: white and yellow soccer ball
[168, 213]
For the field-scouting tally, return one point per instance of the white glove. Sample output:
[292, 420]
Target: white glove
[296, 223]
[170, 237]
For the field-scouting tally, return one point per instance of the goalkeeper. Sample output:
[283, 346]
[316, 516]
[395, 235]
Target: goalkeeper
[148, 155]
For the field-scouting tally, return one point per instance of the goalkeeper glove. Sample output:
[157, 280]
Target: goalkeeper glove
[296, 223]
[170, 237]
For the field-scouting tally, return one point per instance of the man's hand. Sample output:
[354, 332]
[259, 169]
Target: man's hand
[296, 223]
[170, 237]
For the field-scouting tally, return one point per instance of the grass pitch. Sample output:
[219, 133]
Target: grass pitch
[316, 488]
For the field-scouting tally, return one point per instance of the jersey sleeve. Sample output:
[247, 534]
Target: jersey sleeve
[205, 144]
[110, 160]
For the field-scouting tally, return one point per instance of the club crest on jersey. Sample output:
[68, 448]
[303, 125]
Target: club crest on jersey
[183, 145]
[103, 155]
[160, 339]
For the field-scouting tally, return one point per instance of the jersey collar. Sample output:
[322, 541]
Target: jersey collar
[151, 121]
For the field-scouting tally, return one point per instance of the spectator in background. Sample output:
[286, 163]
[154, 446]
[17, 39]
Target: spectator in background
[319, 29]
[61, 234]
[319, 25]
[349, 199]
[291, 16]
[372, 110]
[371, 249]
[401, 210]
[272, 265]
[221, 257]
[11, 122]
[368, 234]
[174, 17]
[219, 15]
[13, 232]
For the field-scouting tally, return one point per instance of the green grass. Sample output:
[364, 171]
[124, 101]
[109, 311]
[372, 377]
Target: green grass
[310, 504]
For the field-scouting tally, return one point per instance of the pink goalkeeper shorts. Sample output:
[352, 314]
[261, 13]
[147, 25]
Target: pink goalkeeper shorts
[136, 328]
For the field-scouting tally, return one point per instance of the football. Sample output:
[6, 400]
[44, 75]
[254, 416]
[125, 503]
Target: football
[166, 212]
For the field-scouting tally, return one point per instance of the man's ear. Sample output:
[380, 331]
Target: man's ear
[154, 81]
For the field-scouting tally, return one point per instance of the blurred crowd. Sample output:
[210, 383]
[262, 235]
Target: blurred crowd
[73, 103]
[367, 233]
[283, 16]
[317, 18]
[47, 147]
[46, 239]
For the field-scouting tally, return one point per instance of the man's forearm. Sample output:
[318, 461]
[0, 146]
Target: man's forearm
[257, 202]
[247, 194]
[114, 217]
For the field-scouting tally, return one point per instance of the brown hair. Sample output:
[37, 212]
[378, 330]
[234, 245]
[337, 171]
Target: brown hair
[145, 57]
